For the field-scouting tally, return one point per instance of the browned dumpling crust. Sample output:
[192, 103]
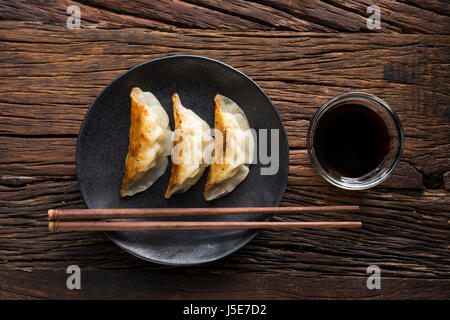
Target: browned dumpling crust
[191, 145]
[150, 142]
[234, 147]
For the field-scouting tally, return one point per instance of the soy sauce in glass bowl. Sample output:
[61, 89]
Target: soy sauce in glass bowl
[355, 141]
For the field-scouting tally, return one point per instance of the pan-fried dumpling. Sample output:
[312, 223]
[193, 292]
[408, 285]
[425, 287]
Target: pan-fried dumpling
[234, 146]
[191, 144]
[150, 143]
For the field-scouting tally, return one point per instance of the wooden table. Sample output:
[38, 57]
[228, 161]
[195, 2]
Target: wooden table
[301, 53]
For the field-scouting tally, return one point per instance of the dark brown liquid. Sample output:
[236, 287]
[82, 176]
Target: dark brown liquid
[351, 140]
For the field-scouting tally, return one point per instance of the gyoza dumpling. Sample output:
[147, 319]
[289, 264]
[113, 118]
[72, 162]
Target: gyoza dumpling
[150, 143]
[234, 146]
[191, 145]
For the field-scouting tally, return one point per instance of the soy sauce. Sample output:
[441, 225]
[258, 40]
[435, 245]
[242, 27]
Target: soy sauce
[351, 140]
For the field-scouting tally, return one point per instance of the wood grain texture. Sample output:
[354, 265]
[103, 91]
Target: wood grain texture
[409, 72]
[412, 16]
[104, 284]
[297, 54]
[406, 231]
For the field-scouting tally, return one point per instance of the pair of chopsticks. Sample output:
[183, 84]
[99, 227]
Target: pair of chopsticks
[92, 219]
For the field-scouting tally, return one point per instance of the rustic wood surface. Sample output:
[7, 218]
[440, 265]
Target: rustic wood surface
[301, 53]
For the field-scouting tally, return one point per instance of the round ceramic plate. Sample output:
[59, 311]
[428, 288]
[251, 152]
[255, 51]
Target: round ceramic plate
[103, 144]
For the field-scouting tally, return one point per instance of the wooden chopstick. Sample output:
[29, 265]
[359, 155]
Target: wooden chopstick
[178, 225]
[83, 218]
[94, 214]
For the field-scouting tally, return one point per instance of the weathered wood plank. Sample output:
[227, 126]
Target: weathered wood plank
[52, 156]
[63, 77]
[405, 231]
[347, 16]
[172, 285]
[417, 16]
[46, 90]
[51, 74]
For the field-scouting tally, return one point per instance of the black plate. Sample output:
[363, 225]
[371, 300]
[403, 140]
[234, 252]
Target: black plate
[103, 143]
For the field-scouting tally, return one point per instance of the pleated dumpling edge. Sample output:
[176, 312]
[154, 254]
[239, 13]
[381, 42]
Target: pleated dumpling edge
[233, 151]
[150, 143]
[191, 144]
